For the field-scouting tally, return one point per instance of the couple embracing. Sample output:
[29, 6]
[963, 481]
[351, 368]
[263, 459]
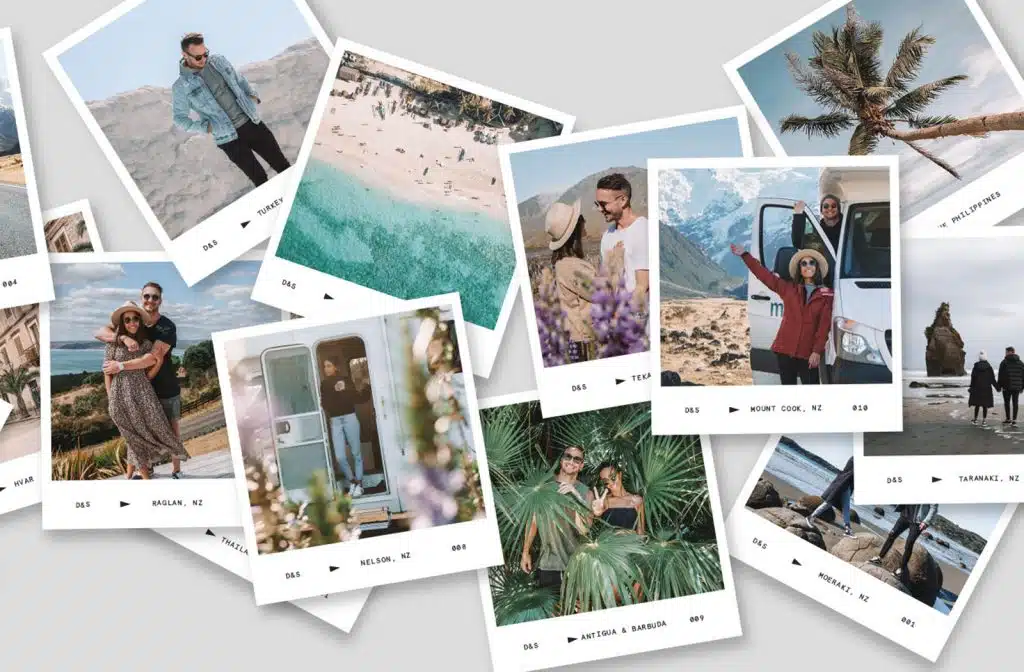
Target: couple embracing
[142, 389]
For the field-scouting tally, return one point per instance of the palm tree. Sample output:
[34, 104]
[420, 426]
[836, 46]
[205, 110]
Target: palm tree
[610, 566]
[845, 77]
[13, 381]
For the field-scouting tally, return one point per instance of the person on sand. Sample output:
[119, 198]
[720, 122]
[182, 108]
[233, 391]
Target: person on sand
[558, 543]
[1011, 382]
[831, 221]
[915, 519]
[574, 275]
[838, 494]
[225, 102]
[133, 404]
[983, 379]
[806, 313]
[626, 235]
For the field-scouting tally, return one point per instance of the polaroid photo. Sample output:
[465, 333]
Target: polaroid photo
[579, 213]
[943, 96]
[357, 449]
[5, 411]
[905, 571]
[399, 195]
[134, 421]
[226, 548]
[776, 283]
[24, 271]
[961, 381]
[614, 539]
[203, 119]
[71, 228]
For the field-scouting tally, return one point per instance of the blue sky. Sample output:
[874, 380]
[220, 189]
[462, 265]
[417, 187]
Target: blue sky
[960, 48]
[86, 295]
[141, 48]
[558, 168]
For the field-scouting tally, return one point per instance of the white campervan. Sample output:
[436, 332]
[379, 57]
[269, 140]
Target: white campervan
[859, 347]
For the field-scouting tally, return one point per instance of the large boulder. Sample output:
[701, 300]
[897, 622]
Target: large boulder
[854, 517]
[807, 504]
[924, 575]
[763, 495]
[794, 523]
[883, 575]
[879, 511]
[944, 355]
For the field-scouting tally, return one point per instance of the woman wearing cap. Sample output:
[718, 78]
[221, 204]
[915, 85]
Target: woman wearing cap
[574, 275]
[806, 313]
[133, 405]
[983, 381]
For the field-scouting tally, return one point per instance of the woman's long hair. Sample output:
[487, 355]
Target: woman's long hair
[573, 246]
[839, 205]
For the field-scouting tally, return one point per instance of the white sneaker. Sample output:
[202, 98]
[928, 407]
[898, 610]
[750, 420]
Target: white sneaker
[356, 490]
[974, 422]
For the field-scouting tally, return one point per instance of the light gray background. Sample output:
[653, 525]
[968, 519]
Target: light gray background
[133, 600]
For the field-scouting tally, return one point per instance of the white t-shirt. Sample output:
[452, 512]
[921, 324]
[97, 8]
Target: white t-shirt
[634, 239]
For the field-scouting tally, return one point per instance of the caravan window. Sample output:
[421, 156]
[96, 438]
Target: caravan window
[292, 391]
[866, 248]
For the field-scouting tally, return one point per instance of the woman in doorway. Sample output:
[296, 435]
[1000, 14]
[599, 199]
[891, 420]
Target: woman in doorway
[806, 314]
[574, 275]
[339, 396]
[983, 381]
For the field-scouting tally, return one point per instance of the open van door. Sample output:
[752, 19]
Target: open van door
[772, 243]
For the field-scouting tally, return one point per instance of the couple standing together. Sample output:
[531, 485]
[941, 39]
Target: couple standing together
[144, 398]
[807, 297]
[623, 253]
[1010, 382]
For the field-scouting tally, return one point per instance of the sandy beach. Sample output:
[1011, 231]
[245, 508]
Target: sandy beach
[706, 341]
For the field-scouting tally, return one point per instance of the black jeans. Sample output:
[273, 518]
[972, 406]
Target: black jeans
[1010, 397]
[255, 139]
[902, 523]
[791, 368]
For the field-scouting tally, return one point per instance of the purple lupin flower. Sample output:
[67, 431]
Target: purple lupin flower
[551, 322]
[620, 328]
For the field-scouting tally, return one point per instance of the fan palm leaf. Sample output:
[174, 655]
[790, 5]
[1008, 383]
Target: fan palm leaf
[680, 568]
[675, 487]
[537, 498]
[603, 572]
[510, 438]
[612, 435]
[517, 599]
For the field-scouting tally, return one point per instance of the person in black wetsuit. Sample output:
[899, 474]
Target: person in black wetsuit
[615, 505]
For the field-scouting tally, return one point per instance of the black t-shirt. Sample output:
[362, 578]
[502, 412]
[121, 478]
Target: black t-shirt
[165, 383]
[337, 403]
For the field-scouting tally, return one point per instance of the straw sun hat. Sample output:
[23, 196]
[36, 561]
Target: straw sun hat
[126, 307]
[794, 262]
[560, 222]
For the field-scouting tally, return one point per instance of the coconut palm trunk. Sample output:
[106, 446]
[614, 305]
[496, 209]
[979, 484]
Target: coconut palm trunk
[1008, 121]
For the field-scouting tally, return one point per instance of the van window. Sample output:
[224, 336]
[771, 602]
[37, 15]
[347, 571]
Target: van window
[867, 252]
[776, 225]
[292, 392]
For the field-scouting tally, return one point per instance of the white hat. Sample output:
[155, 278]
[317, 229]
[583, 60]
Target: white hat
[560, 222]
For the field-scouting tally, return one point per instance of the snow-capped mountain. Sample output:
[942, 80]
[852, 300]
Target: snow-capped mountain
[8, 131]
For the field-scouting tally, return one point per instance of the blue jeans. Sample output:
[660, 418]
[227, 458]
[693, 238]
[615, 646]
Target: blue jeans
[345, 431]
[847, 494]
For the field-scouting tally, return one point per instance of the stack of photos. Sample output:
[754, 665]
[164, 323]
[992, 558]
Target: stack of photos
[24, 273]
[71, 228]
[776, 283]
[579, 213]
[612, 537]
[905, 571]
[400, 195]
[925, 80]
[203, 119]
[136, 431]
[356, 450]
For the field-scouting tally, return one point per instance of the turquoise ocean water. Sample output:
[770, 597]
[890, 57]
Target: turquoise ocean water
[342, 227]
[75, 361]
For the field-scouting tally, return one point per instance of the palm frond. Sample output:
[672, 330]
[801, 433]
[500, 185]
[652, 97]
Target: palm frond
[602, 573]
[517, 599]
[612, 435]
[929, 121]
[907, 64]
[915, 101]
[820, 89]
[675, 483]
[679, 568]
[863, 141]
[537, 498]
[934, 159]
[824, 126]
[509, 437]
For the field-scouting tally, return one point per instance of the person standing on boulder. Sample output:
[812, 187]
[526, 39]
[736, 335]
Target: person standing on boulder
[838, 494]
[1011, 382]
[915, 519]
[983, 379]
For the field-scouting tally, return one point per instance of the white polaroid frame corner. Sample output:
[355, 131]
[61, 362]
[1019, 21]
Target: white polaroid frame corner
[302, 290]
[121, 504]
[363, 563]
[225, 547]
[223, 236]
[601, 383]
[75, 207]
[840, 586]
[973, 211]
[610, 633]
[762, 409]
[25, 279]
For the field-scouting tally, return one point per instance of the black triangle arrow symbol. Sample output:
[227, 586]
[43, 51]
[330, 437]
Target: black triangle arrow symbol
[935, 479]
[124, 504]
[733, 409]
[619, 381]
[570, 640]
[797, 562]
[210, 533]
[332, 567]
[2, 488]
[245, 224]
[328, 296]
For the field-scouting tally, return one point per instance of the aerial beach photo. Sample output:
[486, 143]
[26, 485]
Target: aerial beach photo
[402, 192]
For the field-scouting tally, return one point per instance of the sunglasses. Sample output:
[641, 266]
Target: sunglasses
[572, 458]
[132, 319]
[830, 206]
[603, 205]
[809, 262]
[200, 57]
[151, 297]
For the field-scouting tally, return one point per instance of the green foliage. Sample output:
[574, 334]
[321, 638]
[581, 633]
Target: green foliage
[602, 573]
[517, 599]
[199, 357]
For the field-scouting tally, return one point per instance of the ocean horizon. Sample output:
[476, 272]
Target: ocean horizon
[76, 361]
[366, 235]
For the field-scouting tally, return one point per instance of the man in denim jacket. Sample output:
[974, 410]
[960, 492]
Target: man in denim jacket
[225, 102]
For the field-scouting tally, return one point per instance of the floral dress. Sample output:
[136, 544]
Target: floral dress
[137, 412]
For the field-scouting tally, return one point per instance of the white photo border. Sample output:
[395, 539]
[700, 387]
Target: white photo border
[77, 207]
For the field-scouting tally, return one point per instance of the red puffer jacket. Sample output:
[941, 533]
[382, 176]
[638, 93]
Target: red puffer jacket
[805, 325]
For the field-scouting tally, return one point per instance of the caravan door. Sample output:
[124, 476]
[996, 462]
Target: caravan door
[772, 244]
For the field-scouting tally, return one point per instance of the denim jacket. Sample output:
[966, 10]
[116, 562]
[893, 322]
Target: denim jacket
[189, 92]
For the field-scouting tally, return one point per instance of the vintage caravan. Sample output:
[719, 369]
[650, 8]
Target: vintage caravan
[859, 347]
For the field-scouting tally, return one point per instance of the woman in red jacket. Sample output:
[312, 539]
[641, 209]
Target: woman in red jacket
[806, 313]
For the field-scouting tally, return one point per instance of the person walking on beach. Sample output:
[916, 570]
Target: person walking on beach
[1011, 382]
[339, 396]
[983, 379]
[626, 235]
[806, 313]
[838, 494]
[226, 103]
[574, 276]
[164, 334]
[914, 519]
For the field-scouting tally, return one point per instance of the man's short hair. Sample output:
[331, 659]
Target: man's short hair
[1009, 348]
[617, 182]
[190, 39]
[154, 284]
